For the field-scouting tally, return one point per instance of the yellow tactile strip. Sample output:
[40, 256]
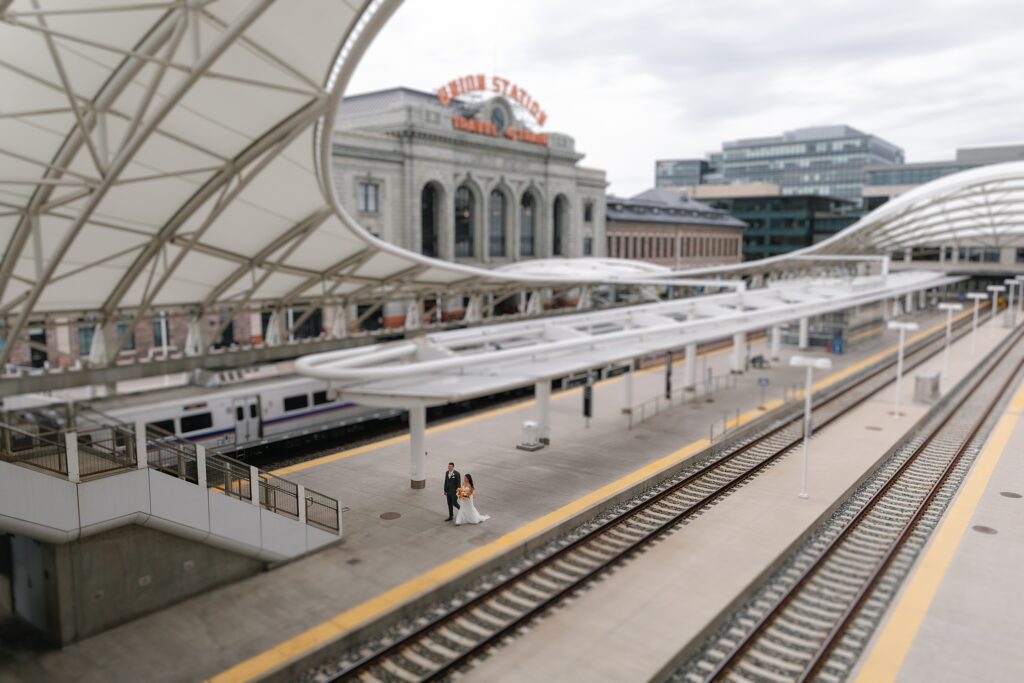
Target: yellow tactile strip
[886, 658]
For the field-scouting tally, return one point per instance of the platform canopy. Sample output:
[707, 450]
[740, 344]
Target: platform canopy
[159, 154]
[456, 365]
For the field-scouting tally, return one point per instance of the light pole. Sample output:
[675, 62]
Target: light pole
[977, 297]
[1020, 292]
[948, 308]
[1011, 310]
[996, 291]
[810, 363]
[902, 327]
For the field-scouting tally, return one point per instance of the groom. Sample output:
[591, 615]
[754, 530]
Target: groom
[452, 481]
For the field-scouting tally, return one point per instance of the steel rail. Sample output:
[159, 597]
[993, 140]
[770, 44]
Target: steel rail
[377, 658]
[839, 628]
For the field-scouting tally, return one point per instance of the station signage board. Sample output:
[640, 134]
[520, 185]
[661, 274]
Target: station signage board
[499, 86]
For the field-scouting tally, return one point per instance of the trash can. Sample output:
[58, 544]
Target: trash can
[926, 387]
[530, 440]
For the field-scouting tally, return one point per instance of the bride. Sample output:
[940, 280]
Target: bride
[467, 511]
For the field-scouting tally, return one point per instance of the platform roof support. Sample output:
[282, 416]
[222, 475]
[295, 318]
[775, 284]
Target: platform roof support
[417, 446]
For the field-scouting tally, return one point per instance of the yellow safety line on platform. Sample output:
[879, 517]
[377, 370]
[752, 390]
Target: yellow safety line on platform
[886, 658]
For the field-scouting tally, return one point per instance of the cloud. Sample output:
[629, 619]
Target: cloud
[669, 78]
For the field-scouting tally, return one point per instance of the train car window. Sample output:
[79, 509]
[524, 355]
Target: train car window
[162, 426]
[193, 423]
[252, 410]
[239, 413]
[295, 402]
[320, 397]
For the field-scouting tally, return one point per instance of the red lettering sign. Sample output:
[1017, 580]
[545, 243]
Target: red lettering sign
[487, 128]
[498, 85]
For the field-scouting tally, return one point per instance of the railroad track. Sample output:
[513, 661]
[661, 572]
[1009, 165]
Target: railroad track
[437, 646]
[814, 616]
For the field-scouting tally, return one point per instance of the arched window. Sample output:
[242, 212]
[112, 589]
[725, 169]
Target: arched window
[558, 226]
[463, 222]
[497, 211]
[428, 221]
[527, 224]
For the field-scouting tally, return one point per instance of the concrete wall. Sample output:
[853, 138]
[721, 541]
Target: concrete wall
[73, 591]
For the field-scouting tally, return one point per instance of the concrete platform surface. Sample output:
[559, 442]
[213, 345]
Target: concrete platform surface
[960, 615]
[633, 625]
[247, 629]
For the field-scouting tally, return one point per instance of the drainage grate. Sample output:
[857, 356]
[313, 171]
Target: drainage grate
[353, 561]
[1009, 494]
[390, 515]
[874, 428]
[984, 529]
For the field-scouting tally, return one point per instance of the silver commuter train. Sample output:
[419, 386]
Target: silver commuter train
[243, 415]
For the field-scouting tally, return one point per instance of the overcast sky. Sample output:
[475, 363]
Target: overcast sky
[646, 79]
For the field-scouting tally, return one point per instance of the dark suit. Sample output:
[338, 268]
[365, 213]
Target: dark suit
[450, 485]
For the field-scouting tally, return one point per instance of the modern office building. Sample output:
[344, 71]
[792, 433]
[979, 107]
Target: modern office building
[667, 228]
[777, 222]
[882, 183]
[680, 172]
[823, 160]
[469, 179]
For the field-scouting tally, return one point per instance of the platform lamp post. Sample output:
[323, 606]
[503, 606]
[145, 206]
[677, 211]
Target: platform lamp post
[902, 327]
[1020, 292]
[949, 309]
[996, 291]
[810, 363]
[1011, 311]
[977, 297]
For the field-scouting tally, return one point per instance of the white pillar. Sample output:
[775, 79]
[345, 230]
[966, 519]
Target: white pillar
[301, 493]
[417, 442]
[776, 341]
[201, 466]
[804, 342]
[909, 306]
[739, 352]
[808, 392]
[922, 301]
[627, 400]
[542, 392]
[254, 486]
[886, 311]
[690, 375]
[71, 454]
[141, 453]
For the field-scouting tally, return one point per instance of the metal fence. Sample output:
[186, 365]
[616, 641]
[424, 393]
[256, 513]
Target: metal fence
[228, 476]
[105, 449]
[172, 456]
[43, 449]
[279, 495]
[322, 511]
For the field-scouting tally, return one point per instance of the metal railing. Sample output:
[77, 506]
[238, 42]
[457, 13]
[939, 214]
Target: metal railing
[229, 476]
[279, 495]
[45, 450]
[170, 455]
[702, 391]
[322, 511]
[105, 449]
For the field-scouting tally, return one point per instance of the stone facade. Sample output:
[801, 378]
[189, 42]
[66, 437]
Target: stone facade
[406, 145]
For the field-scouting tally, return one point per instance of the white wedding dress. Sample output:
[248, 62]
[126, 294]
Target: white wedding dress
[468, 514]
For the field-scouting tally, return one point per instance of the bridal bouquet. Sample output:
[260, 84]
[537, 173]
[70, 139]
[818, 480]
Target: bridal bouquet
[464, 492]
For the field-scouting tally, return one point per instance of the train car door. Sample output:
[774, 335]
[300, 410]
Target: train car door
[247, 419]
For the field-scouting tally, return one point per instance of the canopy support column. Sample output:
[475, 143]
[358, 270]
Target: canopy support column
[627, 399]
[417, 443]
[802, 343]
[542, 392]
[690, 375]
[776, 341]
[739, 352]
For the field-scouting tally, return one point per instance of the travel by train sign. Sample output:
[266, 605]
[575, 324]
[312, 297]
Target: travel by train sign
[494, 127]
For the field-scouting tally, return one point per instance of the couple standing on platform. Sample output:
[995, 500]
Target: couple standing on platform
[461, 498]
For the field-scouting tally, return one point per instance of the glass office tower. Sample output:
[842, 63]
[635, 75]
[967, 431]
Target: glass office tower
[825, 160]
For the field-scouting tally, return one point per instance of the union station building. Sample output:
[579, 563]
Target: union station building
[470, 178]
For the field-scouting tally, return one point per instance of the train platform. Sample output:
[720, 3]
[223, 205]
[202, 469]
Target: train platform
[397, 546]
[958, 615]
[633, 625]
